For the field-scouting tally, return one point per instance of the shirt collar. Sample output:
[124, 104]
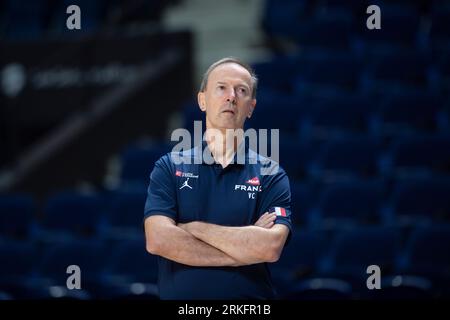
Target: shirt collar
[243, 150]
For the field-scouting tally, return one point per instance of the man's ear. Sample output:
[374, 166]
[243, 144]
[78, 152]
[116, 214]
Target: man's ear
[201, 101]
[252, 108]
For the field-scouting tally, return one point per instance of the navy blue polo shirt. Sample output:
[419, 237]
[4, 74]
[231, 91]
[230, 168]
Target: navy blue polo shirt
[236, 195]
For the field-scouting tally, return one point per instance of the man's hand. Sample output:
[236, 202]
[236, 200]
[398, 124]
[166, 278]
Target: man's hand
[267, 220]
[247, 245]
[262, 242]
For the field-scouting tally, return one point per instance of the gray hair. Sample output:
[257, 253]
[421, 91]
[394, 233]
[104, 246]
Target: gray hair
[204, 82]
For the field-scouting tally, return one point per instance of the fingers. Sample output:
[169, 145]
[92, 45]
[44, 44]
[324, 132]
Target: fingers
[270, 220]
[260, 220]
[266, 220]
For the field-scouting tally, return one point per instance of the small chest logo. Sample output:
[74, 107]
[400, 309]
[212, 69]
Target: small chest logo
[253, 181]
[182, 174]
[252, 186]
[186, 184]
[186, 176]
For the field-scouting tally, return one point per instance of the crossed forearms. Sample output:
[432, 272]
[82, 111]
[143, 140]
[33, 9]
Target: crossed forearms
[248, 245]
[204, 244]
[165, 239]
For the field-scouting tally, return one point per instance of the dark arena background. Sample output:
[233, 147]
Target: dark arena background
[363, 113]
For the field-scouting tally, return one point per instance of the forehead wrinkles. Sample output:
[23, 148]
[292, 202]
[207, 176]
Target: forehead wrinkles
[230, 73]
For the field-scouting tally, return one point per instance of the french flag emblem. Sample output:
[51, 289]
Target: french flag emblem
[281, 212]
[253, 181]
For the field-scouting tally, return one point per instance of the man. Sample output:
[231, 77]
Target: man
[209, 222]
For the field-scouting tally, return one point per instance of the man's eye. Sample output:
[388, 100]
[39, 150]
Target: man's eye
[221, 87]
[243, 90]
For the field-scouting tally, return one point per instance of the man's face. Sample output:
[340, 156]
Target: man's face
[227, 98]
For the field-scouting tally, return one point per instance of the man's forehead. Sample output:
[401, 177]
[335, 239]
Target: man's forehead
[230, 71]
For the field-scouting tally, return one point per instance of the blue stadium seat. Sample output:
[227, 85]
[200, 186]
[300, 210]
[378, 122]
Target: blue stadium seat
[427, 254]
[5, 296]
[295, 156]
[280, 17]
[71, 214]
[299, 259]
[138, 162]
[302, 254]
[401, 287]
[321, 288]
[353, 250]
[440, 27]
[442, 73]
[131, 272]
[419, 200]
[346, 157]
[16, 215]
[354, 6]
[130, 291]
[18, 260]
[400, 29]
[125, 213]
[93, 8]
[319, 32]
[418, 153]
[395, 72]
[88, 255]
[331, 72]
[281, 113]
[338, 116]
[276, 74]
[303, 197]
[406, 113]
[131, 262]
[349, 202]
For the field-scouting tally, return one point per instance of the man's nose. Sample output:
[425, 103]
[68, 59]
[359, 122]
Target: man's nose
[231, 96]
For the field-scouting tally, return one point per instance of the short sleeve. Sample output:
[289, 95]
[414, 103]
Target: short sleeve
[161, 193]
[277, 194]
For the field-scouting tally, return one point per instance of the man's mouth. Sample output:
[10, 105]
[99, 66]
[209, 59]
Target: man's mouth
[228, 112]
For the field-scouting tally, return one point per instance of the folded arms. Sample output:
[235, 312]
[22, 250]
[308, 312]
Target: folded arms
[203, 244]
